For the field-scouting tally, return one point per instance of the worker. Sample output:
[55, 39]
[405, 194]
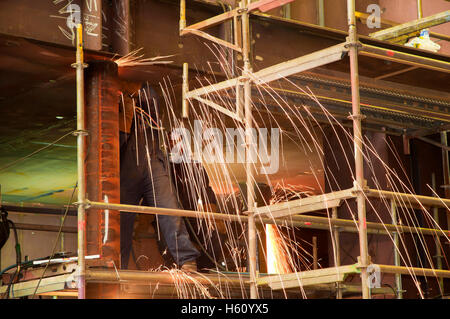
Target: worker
[143, 175]
[194, 192]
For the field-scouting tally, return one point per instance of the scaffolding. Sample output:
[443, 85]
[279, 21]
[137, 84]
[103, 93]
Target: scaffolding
[243, 114]
[359, 192]
[267, 214]
[278, 213]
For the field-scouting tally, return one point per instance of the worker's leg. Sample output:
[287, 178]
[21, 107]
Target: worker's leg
[159, 193]
[130, 193]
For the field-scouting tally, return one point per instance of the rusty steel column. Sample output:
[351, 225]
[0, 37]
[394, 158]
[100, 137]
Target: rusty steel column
[120, 41]
[102, 167]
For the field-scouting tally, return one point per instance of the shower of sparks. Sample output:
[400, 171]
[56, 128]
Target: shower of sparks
[284, 253]
[137, 58]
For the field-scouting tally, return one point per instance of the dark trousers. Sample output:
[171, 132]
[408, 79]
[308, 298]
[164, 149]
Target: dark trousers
[143, 176]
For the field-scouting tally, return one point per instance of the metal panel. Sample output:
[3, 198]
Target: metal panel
[53, 21]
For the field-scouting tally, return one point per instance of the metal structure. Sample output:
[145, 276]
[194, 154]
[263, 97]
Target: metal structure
[360, 192]
[274, 213]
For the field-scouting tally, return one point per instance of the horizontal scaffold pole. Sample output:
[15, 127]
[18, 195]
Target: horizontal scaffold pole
[294, 221]
[427, 272]
[403, 198]
[143, 277]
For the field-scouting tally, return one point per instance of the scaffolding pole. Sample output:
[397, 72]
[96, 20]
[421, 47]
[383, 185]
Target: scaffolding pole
[81, 133]
[398, 277]
[360, 191]
[307, 221]
[358, 144]
[249, 146]
[337, 251]
[437, 239]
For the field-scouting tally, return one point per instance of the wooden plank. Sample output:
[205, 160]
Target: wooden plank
[347, 269]
[297, 65]
[294, 209]
[363, 17]
[286, 284]
[412, 26]
[303, 205]
[310, 277]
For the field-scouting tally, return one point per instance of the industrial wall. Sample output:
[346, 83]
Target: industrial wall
[38, 244]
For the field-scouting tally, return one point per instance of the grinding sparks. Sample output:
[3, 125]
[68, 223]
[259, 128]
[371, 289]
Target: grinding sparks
[137, 58]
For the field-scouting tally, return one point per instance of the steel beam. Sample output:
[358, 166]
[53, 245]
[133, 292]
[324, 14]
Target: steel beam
[404, 58]
[103, 164]
[121, 35]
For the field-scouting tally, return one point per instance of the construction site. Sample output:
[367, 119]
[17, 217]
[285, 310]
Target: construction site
[202, 149]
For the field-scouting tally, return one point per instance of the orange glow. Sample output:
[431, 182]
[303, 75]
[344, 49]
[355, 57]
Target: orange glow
[277, 256]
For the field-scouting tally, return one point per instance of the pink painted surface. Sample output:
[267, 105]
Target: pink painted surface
[266, 5]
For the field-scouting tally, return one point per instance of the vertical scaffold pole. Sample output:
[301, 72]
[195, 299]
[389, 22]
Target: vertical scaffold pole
[182, 14]
[446, 169]
[337, 251]
[437, 238]
[81, 133]
[398, 277]
[252, 240]
[358, 144]
[185, 102]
